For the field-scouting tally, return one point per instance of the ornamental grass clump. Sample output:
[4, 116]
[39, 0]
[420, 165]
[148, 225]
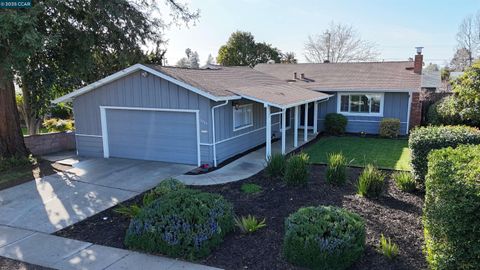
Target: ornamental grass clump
[183, 224]
[249, 224]
[404, 181]
[296, 172]
[371, 182]
[275, 165]
[323, 237]
[388, 248]
[336, 169]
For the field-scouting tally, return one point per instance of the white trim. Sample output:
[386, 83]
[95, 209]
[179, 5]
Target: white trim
[285, 106]
[213, 132]
[132, 69]
[339, 101]
[199, 158]
[408, 111]
[251, 116]
[268, 133]
[356, 120]
[103, 121]
[88, 135]
[305, 123]
[148, 109]
[295, 131]
[315, 118]
[368, 90]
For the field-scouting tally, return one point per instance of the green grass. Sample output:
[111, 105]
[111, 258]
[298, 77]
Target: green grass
[383, 153]
[250, 188]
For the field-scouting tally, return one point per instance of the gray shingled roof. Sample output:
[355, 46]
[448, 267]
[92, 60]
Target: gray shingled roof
[242, 81]
[431, 79]
[377, 76]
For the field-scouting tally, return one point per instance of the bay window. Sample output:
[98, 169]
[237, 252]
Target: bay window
[361, 104]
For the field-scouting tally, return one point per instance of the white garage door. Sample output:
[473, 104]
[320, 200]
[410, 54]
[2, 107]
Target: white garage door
[160, 135]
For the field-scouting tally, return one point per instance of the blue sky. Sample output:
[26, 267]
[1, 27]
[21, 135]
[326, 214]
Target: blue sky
[395, 26]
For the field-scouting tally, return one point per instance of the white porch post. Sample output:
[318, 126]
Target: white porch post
[295, 130]
[268, 133]
[284, 127]
[315, 117]
[305, 124]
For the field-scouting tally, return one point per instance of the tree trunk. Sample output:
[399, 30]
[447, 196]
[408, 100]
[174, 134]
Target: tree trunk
[11, 138]
[31, 118]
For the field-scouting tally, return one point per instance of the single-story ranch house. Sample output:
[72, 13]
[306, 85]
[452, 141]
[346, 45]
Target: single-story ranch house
[205, 116]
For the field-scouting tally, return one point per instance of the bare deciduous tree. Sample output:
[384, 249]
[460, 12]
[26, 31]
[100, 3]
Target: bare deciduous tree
[461, 60]
[468, 35]
[339, 43]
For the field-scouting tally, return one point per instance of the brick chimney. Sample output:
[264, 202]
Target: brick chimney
[418, 62]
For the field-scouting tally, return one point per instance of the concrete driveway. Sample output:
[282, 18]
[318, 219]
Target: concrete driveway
[57, 201]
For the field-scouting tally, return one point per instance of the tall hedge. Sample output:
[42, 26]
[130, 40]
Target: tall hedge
[425, 139]
[451, 215]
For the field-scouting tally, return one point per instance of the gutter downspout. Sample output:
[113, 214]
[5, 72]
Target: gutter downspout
[213, 132]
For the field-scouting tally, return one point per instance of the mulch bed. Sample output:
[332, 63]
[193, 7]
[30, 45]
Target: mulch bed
[396, 214]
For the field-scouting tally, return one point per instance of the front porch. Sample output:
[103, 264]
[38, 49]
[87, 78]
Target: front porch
[289, 142]
[292, 136]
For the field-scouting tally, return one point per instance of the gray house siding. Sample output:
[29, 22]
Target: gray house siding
[230, 142]
[134, 90]
[395, 106]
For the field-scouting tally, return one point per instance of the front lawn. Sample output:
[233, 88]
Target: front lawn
[384, 153]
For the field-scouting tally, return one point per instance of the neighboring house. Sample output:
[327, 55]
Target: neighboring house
[432, 81]
[205, 116]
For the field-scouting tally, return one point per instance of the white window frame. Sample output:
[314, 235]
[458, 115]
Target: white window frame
[233, 116]
[339, 103]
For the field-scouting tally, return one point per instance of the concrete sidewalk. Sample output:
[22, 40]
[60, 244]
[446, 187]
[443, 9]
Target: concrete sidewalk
[242, 168]
[62, 253]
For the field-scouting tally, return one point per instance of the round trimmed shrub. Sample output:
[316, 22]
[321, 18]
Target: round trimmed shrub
[335, 123]
[184, 223]
[323, 237]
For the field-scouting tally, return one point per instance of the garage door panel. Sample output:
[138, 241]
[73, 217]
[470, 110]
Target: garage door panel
[152, 135]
